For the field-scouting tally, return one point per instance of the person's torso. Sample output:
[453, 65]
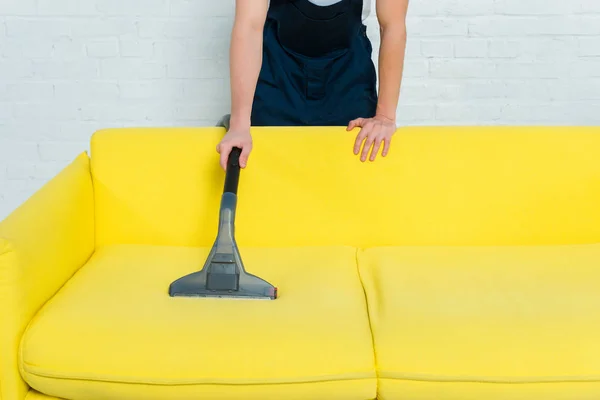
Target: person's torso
[366, 5]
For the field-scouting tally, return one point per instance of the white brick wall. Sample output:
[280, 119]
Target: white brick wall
[68, 67]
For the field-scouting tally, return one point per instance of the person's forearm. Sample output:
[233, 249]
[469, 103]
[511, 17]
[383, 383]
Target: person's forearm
[245, 64]
[391, 67]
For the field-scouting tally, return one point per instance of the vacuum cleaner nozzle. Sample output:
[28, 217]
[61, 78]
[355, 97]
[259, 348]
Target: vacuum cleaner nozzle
[223, 274]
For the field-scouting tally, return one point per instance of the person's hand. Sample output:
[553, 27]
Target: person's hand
[235, 138]
[374, 131]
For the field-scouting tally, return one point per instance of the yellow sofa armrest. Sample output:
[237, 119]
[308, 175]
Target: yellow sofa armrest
[42, 244]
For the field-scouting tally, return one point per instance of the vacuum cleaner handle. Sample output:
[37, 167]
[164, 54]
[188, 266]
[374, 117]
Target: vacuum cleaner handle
[232, 173]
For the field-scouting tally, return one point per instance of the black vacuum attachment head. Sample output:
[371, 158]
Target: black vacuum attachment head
[223, 274]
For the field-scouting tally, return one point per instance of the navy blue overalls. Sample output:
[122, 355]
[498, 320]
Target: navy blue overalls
[317, 68]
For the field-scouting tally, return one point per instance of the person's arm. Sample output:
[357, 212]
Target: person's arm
[379, 129]
[391, 15]
[245, 59]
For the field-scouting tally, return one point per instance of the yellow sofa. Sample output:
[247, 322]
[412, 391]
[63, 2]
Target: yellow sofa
[465, 265]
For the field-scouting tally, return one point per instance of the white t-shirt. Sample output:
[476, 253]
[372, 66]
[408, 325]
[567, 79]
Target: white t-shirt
[366, 5]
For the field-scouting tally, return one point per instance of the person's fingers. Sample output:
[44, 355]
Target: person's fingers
[359, 139]
[245, 154]
[355, 122]
[376, 146]
[386, 147]
[225, 150]
[368, 143]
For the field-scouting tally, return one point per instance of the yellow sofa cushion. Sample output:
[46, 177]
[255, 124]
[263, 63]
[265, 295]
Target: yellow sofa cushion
[477, 315]
[113, 332]
[304, 187]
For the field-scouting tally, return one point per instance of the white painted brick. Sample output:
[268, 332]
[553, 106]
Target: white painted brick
[153, 90]
[194, 112]
[15, 48]
[17, 150]
[131, 68]
[451, 8]
[206, 8]
[534, 70]
[36, 28]
[415, 69]
[192, 48]
[494, 26]
[17, 7]
[443, 27]
[198, 68]
[415, 113]
[103, 27]
[66, 8]
[47, 111]
[587, 6]
[3, 177]
[158, 8]
[69, 49]
[206, 91]
[535, 48]
[127, 111]
[471, 48]
[103, 48]
[81, 68]
[462, 68]
[589, 46]
[78, 130]
[32, 130]
[581, 89]
[549, 48]
[505, 48]
[16, 69]
[413, 48]
[136, 48]
[170, 49]
[474, 112]
[6, 112]
[584, 68]
[523, 89]
[481, 89]
[207, 28]
[22, 170]
[73, 92]
[588, 24]
[205, 121]
[424, 90]
[28, 91]
[552, 113]
[534, 7]
[432, 48]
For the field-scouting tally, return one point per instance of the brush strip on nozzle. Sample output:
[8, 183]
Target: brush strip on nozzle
[223, 274]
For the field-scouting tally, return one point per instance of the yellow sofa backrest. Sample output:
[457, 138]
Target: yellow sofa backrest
[304, 186]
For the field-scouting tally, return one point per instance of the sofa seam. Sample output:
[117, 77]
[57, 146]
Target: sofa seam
[490, 381]
[360, 278]
[114, 380]
[94, 208]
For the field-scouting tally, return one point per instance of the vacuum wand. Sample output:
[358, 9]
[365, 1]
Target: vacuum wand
[232, 172]
[223, 274]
